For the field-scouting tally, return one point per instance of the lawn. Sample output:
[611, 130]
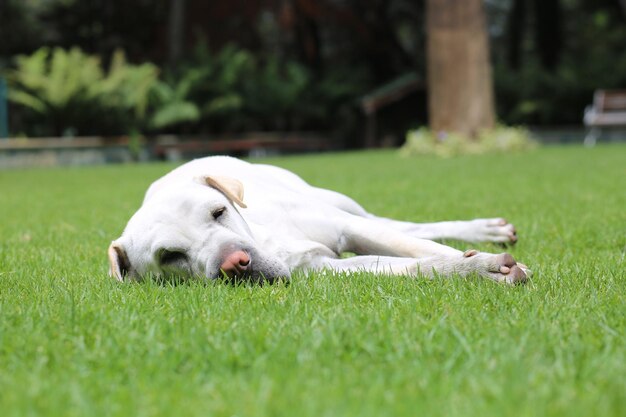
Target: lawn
[75, 343]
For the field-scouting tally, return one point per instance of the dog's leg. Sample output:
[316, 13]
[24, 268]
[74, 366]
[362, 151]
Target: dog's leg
[499, 268]
[496, 230]
[369, 237]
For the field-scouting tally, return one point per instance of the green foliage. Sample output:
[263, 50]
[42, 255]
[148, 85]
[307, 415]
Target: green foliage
[206, 88]
[49, 82]
[68, 91]
[275, 91]
[172, 105]
[76, 343]
[218, 93]
[235, 90]
[127, 87]
[592, 58]
[289, 96]
[173, 113]
[501, 139]
[71, 91]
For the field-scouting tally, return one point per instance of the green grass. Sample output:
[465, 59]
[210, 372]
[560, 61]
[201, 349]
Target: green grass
[75, 343]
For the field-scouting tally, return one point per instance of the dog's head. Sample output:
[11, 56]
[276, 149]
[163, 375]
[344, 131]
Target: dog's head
[192, 230]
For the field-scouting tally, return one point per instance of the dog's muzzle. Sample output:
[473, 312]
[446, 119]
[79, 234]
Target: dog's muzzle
[236, 264]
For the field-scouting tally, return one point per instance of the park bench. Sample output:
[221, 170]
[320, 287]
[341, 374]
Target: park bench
[261, 143]
[384, 96]
[98, 149]
[608, 110]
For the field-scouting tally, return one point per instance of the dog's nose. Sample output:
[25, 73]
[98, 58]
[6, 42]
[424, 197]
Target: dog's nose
[235, 264]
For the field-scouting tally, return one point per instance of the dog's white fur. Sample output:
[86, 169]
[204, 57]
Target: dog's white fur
[198, 215]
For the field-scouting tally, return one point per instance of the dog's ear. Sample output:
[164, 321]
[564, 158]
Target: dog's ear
[230, 187]
[118, 261]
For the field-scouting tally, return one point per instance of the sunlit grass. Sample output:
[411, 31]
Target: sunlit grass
[73, 342]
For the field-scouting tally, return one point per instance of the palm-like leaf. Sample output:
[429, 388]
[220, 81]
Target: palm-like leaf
[175, 113]
[28, 100]
[69, 87]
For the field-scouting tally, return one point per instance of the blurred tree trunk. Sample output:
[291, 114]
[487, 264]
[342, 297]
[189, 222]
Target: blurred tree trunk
[176, 31]
[460, 87]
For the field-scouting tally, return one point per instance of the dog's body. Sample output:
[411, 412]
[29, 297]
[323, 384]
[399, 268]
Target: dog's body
[189, 226]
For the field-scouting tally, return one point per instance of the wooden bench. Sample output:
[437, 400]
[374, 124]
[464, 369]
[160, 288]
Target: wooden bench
[49, 151]
[608, 110]
[174, 148]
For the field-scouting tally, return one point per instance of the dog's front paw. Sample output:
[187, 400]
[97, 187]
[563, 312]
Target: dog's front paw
[496, 230]
[501, 267]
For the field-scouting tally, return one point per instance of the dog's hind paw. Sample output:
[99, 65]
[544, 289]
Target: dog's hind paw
[501, 268]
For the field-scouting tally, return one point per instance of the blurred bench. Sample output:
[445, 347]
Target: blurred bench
[608, 110]
[83, 142]
[251, 144]
[20, 152]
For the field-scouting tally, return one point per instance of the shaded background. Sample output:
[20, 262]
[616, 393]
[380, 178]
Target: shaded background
[306, 65]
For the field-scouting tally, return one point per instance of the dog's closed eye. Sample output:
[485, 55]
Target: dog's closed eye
[218, 212]
[169, 257]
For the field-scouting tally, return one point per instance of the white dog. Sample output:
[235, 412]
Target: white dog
[194, 223]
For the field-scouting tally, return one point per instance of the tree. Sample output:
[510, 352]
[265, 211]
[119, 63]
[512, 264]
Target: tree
[460, 86]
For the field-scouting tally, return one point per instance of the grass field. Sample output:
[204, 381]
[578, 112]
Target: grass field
[75, 343]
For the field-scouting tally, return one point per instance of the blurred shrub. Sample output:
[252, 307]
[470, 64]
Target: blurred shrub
[63, 92]
[66, 92]
[172, 103]
[500, 139]
[233, 90]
